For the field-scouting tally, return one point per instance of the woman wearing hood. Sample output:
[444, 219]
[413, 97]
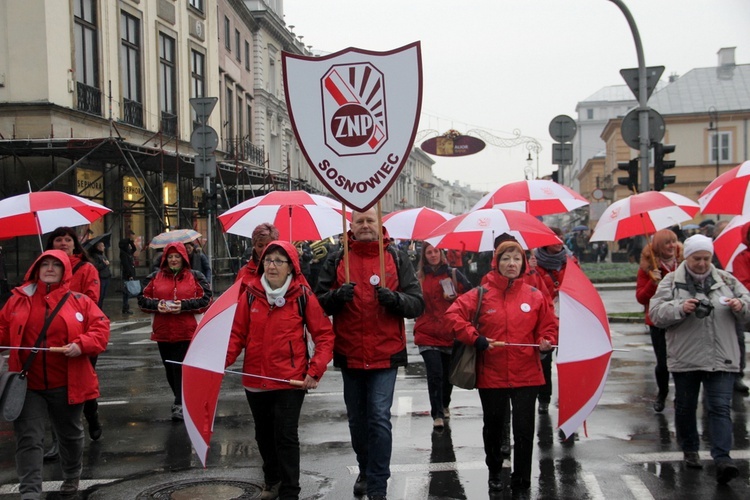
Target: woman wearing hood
[58, 382]
[176, 295]
[511, 311]
[85, 280]
[275, 310]
[441, 285]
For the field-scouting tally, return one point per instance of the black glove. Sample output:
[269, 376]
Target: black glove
[345, 293]
[481, 343]
[387, 297]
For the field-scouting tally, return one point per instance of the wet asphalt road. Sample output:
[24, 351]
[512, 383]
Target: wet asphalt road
[629, 451]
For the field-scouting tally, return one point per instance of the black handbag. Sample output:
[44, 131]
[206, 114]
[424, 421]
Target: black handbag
[463, 367]
[13, 384]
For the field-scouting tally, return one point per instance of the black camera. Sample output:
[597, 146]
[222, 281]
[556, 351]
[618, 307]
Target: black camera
[703, 308]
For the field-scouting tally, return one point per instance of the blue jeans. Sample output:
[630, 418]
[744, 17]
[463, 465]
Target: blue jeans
[368, 395]
[717, 387]
[437, 365]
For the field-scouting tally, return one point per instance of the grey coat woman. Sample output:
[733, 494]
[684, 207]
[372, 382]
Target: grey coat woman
[699, 305]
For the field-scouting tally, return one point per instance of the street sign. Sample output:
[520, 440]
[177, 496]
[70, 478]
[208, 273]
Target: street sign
[203, 107]
[653, 73]
[204, 139]
[562, 128]
[630, 128]
[562, 154]
[205, 166]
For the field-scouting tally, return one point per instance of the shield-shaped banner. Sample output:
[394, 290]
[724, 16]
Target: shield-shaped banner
[355, 114]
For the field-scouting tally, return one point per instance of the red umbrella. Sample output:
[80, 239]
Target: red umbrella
[728, 193]
[203, 370]
[476, 231]
[583, 352]
[297, 214]
[643, 213]
[535, 197]
[414, 223]
[44, 211]
[730, 242]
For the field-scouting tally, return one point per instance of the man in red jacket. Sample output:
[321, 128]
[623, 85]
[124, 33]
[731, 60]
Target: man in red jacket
[370, 340]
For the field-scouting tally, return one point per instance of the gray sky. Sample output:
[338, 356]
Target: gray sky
[502, 65]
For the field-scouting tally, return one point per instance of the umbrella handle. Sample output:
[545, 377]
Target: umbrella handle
[296, 383]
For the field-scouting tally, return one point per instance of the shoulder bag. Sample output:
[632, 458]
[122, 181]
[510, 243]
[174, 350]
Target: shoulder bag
[463, 369]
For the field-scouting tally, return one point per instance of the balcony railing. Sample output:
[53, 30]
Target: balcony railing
[168, 124]
[89, 99]
[132, 112]
[244, 150]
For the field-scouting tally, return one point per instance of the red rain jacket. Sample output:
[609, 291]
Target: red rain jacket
[79, 321]
[273, 336]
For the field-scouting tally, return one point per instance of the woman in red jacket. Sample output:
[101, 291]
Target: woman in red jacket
[659, 258]
[85, 280]
[511, 312]
[58, 382]
[273, 313]
[177, 296]
[441, 285]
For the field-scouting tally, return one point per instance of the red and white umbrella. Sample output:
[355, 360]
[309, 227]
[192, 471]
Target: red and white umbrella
[730, 242]
[643, 213]
[44, 211]
[583, 352]
[414, 223]
[728, 193]
[535, 197]
[476, 231]
[203, 370]
[298, 215]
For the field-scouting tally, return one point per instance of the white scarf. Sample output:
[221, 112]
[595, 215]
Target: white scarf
[271, 294]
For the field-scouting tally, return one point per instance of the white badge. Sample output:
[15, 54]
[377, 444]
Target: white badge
[724, 300]
[279, 302]
[374, 280]
[79, 317]
[525, 307]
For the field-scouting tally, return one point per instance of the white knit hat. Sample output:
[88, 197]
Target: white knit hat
[696, 243]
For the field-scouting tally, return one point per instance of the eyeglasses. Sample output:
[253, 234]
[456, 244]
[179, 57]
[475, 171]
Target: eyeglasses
[275, 262]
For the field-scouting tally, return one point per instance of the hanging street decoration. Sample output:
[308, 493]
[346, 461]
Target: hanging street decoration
[453, 143]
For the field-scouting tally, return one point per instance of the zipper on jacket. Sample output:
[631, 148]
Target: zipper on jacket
[291, 354]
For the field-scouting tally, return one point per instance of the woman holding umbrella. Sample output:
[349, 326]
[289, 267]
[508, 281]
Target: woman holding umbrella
[698, 306]
[58, 382]
[441, 285]
[175, 295]
[659, 258]
[511, 312]
[274, 310]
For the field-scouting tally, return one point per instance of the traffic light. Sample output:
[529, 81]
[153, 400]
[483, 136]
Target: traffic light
[660, 165]
[555, 176]
[631, 167]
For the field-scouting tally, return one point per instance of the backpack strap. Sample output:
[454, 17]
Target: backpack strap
[78, 266]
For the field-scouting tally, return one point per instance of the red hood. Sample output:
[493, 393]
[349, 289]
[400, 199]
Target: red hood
[32, 274]
[172, 248]
[290, 250]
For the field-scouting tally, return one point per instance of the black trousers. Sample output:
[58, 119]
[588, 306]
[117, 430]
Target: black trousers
[545, 391]
[494, 406]
[174, 351]
[276, 416]
[659, 342]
